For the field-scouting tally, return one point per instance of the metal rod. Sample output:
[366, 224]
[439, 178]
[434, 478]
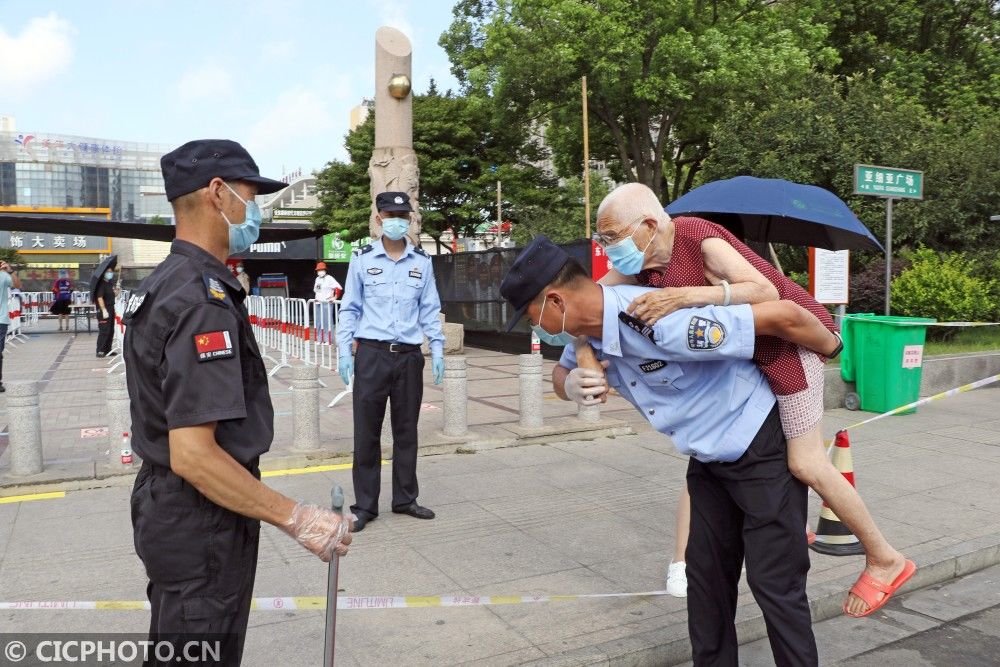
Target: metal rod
[586, 160]
[329, 637]
[888, 252]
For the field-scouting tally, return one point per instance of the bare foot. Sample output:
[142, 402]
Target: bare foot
[883, 572]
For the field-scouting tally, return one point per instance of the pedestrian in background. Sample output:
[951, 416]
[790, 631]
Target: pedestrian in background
[390, 304]
[326, 289]
[62, 296]
[242, 278]
[8, 280]
[106, 314]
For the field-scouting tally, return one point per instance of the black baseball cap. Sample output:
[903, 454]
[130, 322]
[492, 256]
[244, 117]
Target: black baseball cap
[537, 266]
[393, 201]
[190, 167]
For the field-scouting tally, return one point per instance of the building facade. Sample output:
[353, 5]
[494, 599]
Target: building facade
[58, 174]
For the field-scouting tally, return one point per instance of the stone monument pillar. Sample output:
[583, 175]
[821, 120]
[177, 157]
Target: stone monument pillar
[393, 166]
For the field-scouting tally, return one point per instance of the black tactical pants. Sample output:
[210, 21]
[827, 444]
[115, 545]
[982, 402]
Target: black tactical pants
[201, 560]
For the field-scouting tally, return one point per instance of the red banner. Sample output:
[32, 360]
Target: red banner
[599, 262]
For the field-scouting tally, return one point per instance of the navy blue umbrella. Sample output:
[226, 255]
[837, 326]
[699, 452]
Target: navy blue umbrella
[778, 211]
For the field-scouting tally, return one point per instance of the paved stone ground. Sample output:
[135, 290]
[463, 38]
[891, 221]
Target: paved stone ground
[72, 400]
[581, 516]
[948, 625]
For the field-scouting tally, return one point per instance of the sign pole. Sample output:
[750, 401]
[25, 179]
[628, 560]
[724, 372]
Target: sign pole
[888, 252]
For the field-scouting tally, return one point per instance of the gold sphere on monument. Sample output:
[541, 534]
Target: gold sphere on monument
[399, 86]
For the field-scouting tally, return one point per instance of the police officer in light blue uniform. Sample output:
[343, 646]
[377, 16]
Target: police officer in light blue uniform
[390, 303]
[691, 376]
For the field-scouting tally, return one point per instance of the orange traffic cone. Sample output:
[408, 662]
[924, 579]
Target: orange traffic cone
[833, 538]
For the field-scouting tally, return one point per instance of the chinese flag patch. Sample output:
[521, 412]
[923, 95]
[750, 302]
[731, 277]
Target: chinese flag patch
[213, 345]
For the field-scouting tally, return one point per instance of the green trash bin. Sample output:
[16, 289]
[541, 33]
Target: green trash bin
[883, 356]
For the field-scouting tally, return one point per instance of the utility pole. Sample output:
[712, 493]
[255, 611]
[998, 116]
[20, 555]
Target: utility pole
[586, 160]
[499, 216]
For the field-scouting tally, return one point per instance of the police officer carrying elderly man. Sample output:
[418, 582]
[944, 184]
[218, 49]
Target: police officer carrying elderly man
[390, 303]
[691, 376]
[201, 411]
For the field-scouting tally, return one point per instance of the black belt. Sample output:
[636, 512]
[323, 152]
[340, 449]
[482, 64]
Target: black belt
[163, 471]
[385, 345]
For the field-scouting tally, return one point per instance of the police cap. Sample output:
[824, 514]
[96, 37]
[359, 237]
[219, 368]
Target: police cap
[535, 268]
[393, 201]
[191, 166]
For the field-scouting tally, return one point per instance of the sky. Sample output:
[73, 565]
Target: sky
[280, 77]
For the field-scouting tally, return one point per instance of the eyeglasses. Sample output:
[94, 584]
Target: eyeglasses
[631, 227]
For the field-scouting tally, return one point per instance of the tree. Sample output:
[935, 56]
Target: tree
[12, 257]
[463, 147]
[563, 219]
[660, 72]
[946, 53]
[817, 135]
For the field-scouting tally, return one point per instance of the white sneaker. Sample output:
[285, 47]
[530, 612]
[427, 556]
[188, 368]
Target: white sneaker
[677, 581]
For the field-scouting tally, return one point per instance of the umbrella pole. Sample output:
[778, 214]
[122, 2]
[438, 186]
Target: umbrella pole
[774, 258]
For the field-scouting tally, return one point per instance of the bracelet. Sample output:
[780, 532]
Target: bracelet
[727, 292]
[840, 346]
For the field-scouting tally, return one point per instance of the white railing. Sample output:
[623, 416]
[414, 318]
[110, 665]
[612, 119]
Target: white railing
[290, 330]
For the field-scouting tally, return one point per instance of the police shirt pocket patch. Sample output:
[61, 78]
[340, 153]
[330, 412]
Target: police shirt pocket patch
[374, 271]
[414, 273]
[652, 365]
[213, 345]
[705, 334]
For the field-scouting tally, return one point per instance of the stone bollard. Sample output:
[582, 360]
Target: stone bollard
[589, 413]
[305, 411]
[530, 373]
[119, 414]
[25, 429]
[456, 397]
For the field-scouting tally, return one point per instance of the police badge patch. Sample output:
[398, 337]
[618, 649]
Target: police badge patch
[134, 304]
[705, 334]
[214, 287]
[374, 271]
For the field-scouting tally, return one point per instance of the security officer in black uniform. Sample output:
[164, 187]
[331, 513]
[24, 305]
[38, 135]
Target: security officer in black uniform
[390, 303]
[201, 411]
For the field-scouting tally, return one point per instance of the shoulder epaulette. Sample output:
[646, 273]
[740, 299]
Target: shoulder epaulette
[420, 251]
[362, 250]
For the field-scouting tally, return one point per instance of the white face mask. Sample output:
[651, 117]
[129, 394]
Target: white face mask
[321, 274]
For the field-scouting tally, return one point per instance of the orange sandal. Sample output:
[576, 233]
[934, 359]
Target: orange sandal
[868, 589]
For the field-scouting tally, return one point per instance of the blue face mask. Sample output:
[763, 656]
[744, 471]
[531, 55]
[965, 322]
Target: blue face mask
[395, 228]
[561, 339]
[625, 256]
[245, 234]
[108, 275]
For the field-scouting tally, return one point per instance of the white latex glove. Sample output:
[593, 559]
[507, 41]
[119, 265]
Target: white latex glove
[320, 530]
[586, 386]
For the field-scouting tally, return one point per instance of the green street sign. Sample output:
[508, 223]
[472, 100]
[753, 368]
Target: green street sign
[337, 250]
[888, 182]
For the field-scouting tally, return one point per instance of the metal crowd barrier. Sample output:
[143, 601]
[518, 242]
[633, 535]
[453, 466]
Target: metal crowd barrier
[289, 329]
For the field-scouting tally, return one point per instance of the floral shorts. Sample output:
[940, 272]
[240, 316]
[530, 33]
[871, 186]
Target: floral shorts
[802, 412]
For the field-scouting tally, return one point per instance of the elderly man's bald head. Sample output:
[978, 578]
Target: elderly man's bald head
[624, 207]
